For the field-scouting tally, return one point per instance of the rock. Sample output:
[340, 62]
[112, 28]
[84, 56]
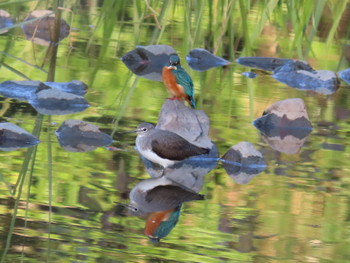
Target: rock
[50, 101]
[193, 125]
[25, 90]
[272, 64]
[13, 137]
[40, 31]
[285, 125]
[242, 162]
[320, 81]
[81, 136]
[201, 59]
[5, 21]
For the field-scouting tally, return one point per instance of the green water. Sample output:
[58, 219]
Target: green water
[58, 206]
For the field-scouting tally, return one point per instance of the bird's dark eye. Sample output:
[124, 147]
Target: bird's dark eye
[135, 209]
[144, 129]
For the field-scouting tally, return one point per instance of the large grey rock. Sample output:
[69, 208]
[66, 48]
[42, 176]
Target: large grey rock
[193, 125]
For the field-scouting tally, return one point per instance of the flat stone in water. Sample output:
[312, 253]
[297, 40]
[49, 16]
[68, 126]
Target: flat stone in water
[320, 81]
[242, 162]
[12, 137]
[285, 125]
[25, 90]
[55, 102]
[264, 63]
[201, 59]
[20, 90]
[39, 31]
[81, 136]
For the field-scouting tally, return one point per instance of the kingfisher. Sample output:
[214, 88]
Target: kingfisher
[159, 224]
[177, 82]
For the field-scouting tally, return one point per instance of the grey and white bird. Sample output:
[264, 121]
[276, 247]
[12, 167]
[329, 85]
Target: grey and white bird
[164, 147]
[159, 194]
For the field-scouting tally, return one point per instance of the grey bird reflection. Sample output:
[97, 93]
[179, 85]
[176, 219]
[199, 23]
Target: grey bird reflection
[164, 147]
[159, 194]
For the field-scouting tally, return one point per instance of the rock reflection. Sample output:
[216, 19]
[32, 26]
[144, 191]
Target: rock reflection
[5, 21]
[243, 162]
[41, 31]
[285, 125]
[13, 137]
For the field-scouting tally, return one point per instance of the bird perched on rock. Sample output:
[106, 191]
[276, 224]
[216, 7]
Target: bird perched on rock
[177, 82]
[164, 147]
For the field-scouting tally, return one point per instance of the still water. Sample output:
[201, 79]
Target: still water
[61, 206]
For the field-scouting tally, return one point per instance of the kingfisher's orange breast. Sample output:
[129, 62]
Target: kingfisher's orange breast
[154, 220]
[169, 80]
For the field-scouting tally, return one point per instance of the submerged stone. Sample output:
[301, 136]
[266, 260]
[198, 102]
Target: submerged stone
[13, 137]
[242, 162]
[81, 136]
[201, 59]
[41, 31]
[250, 74]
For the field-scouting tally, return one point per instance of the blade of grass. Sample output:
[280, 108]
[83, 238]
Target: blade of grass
[338, 11]
[23, 61]
[15, 71]
[19, 185]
